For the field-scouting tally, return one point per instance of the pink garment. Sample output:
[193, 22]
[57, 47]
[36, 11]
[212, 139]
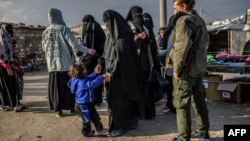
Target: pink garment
[247, 59]
[234, 57]
[222, 56]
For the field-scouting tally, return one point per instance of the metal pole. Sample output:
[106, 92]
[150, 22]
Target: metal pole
[163, 13]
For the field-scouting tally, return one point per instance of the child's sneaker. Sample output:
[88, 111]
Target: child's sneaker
[90, 133]
[102, 131]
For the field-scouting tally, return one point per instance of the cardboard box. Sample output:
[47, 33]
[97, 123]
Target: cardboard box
[211, 83]
[230, 92]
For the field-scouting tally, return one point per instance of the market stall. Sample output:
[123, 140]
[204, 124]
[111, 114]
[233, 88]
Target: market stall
[228, 56]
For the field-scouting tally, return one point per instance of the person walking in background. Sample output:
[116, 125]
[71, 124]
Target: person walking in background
[143, 45]
[189, 91]
[82, 85]
[10, 95]
[168, 36]
[161, 43]
[93, 37]
[121, 62]
[58, 43]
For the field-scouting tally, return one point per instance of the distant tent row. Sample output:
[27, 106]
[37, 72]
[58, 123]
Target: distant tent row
[230, 26]
[230, 36]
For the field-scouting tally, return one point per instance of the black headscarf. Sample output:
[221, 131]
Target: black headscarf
[9, 28]
[148, 22]
[135, 16]
[87, 21]
[117, 24]
[93, 35]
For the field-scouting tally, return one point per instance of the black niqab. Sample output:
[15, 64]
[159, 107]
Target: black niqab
[148, 22]
[93, 35]
[87, 21]
[135, 16]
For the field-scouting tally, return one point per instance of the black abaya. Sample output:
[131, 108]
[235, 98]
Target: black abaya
[60, 97]
[8, 95]
[122, 61]
[135, 16]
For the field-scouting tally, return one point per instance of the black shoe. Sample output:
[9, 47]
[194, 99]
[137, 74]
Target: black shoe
[176, 139]
[20, 107]
[197, 134]
[117, 133]
[90, 133]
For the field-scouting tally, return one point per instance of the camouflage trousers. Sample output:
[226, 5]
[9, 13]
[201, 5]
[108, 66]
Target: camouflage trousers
[190, 92]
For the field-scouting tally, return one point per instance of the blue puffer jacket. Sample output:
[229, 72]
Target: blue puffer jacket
[58, 43]
[83, 87]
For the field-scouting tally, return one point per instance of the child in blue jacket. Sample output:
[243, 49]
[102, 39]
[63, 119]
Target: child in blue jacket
[82, 85]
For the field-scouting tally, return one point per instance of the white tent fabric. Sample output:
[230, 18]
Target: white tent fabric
[230, 26]
[237, 23]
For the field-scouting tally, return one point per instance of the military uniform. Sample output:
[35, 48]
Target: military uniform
[191, 90]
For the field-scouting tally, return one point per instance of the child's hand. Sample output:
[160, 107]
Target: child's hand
[107, 77]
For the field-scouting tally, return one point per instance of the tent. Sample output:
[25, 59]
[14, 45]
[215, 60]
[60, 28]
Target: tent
[230, 26]
[238, 23]
[230, 36]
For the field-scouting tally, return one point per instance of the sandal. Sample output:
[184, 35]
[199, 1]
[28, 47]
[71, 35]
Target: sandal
[59, 114]
[165, 110]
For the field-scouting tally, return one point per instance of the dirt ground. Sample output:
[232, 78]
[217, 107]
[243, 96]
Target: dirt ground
[38, 123]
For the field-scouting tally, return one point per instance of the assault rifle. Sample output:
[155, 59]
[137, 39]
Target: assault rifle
[191, 53]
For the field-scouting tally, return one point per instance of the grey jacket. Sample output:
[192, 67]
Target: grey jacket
[58, 43]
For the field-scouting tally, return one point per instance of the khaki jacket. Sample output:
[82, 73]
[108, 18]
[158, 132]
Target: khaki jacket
[182, 43]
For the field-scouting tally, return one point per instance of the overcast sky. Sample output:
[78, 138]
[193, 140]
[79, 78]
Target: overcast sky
[34, 12]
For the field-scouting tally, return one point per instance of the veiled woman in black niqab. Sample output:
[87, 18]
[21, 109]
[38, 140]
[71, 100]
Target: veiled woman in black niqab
[146, 47]
[93, 37]
[122, 62]
[148, 21]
